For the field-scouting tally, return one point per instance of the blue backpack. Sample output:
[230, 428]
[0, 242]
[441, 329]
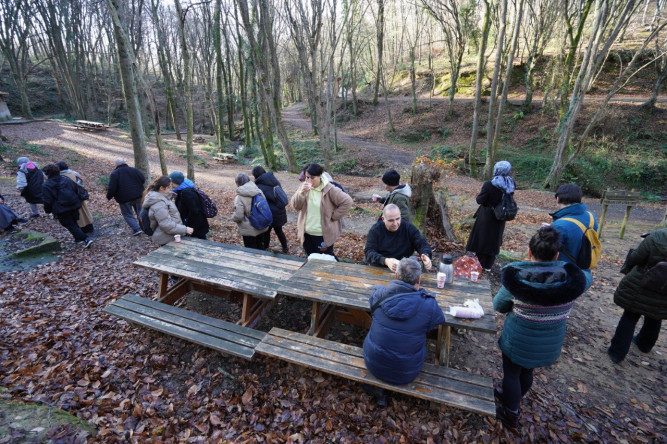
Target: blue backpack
[260, 213]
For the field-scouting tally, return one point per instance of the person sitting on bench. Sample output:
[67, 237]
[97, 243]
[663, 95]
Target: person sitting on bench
[392, 239]
[403, 313]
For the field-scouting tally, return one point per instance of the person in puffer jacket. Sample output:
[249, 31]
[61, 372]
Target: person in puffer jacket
[252, 237]
[189, 204]
[29, 180]
[399, 195]
[403, 313]
[538, 296]
[162, 212]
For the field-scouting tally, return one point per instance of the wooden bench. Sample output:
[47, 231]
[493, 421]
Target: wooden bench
[224, 157]
[444, 385]
[91, 126]
[219, 335]
[620, 197]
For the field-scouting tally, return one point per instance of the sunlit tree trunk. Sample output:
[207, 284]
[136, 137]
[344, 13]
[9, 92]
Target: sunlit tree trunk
[189, 117]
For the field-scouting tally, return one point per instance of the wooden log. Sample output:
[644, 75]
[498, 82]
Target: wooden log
[602, 217]
[625, 221]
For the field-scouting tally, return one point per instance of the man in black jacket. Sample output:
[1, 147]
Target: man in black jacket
[126, 185]
[61, 197]
[392, 239]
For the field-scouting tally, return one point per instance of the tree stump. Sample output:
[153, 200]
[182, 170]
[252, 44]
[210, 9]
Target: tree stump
[426, 202]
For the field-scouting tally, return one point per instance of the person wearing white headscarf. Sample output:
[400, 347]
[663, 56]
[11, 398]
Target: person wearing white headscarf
[486, 236]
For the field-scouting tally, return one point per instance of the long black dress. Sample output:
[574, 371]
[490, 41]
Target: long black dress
[486, 236]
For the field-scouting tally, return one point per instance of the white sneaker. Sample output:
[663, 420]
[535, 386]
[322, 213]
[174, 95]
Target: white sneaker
[137, 233]
[87, 243]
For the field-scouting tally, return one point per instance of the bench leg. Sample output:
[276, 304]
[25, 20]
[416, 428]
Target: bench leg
[253, 309]
[442, 345]
[164, 283]
[176, 292]
[320, 319]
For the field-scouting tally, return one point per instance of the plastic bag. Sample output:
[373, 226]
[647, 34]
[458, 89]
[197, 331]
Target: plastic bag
[470, 310]
[465, 264]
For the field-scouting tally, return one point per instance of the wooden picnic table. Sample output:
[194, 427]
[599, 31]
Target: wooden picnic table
[221, 269]
[90, 125]
[342, 290]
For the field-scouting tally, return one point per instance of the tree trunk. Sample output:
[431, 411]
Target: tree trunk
[189, 117]
[494, 88]
[491, 153]
[217, 42]
[123, 46]
[481, 64]
[380, 46]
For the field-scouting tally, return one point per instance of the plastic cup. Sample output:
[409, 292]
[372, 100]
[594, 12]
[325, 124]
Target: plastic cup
[177, 237]
[474, 276]
[442, 277]
[374, 198]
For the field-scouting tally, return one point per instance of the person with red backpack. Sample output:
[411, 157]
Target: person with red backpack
[568, 198]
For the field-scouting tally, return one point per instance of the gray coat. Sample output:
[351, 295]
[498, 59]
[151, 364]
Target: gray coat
[164, 216]
[242, 208]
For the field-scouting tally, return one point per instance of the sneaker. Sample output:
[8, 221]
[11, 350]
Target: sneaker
[21, 220]
[87, 243]
[137, 233]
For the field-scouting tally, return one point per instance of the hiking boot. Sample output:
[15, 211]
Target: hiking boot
[615, 359]
[137, 233]
[87, 243]
[377, 393]
[634, 341]
[507, 417]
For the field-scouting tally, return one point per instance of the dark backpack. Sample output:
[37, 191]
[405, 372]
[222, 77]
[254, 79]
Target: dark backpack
[260, 213]
[506, 209]
[280, 197]
[207, 205]
[145, 222]
[655, 278]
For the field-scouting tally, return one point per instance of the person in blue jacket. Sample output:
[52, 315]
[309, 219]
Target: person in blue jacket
[537, 295]
[403, 313]
[568, 198]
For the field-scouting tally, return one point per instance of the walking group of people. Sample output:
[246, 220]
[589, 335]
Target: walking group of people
[537, 295]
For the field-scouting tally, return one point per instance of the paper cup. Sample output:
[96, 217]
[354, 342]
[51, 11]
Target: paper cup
[442, 277]
[177, 237]
[474, 276]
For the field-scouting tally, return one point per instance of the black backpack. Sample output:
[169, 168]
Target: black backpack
[506, 209]
[145, 222]
[280, 197]
[207, 205]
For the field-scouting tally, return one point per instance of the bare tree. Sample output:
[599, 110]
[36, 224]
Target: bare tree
[127, 71]
[481, 68]
[379, 23]
[541, 18]
[15, 27]
[189, 117]
[611, 18]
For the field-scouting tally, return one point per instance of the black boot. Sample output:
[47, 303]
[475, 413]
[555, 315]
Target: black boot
[507, 417]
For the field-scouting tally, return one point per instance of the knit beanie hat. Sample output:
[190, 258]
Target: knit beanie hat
[391, 178]
[62, 165]
[177, 177]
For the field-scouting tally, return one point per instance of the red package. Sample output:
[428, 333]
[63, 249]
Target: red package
[465, 264]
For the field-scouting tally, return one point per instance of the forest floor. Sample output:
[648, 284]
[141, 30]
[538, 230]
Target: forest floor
[57, 347]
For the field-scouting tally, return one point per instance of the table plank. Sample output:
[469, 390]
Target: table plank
[229, 266]
[350, 286]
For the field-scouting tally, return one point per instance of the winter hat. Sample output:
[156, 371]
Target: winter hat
[391, 178]
[62, 165]
[21, 160]
[177, 177]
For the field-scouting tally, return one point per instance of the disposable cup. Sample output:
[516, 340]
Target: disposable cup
[442, 277]
[177, 237]
[474, 276]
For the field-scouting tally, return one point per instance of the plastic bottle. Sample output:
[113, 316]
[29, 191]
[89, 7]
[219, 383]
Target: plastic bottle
[446, 267]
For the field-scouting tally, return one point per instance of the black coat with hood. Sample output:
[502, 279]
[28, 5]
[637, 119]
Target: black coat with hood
[60, 195]
[266, 183]
[486, 236]
[190, 208]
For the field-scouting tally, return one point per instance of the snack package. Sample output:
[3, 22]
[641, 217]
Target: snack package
[465, 264]
[470, 310]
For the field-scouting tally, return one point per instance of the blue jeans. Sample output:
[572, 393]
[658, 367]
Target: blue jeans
[130, 211]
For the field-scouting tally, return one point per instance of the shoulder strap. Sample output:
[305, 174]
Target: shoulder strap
[581, 226]
[591, 222]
